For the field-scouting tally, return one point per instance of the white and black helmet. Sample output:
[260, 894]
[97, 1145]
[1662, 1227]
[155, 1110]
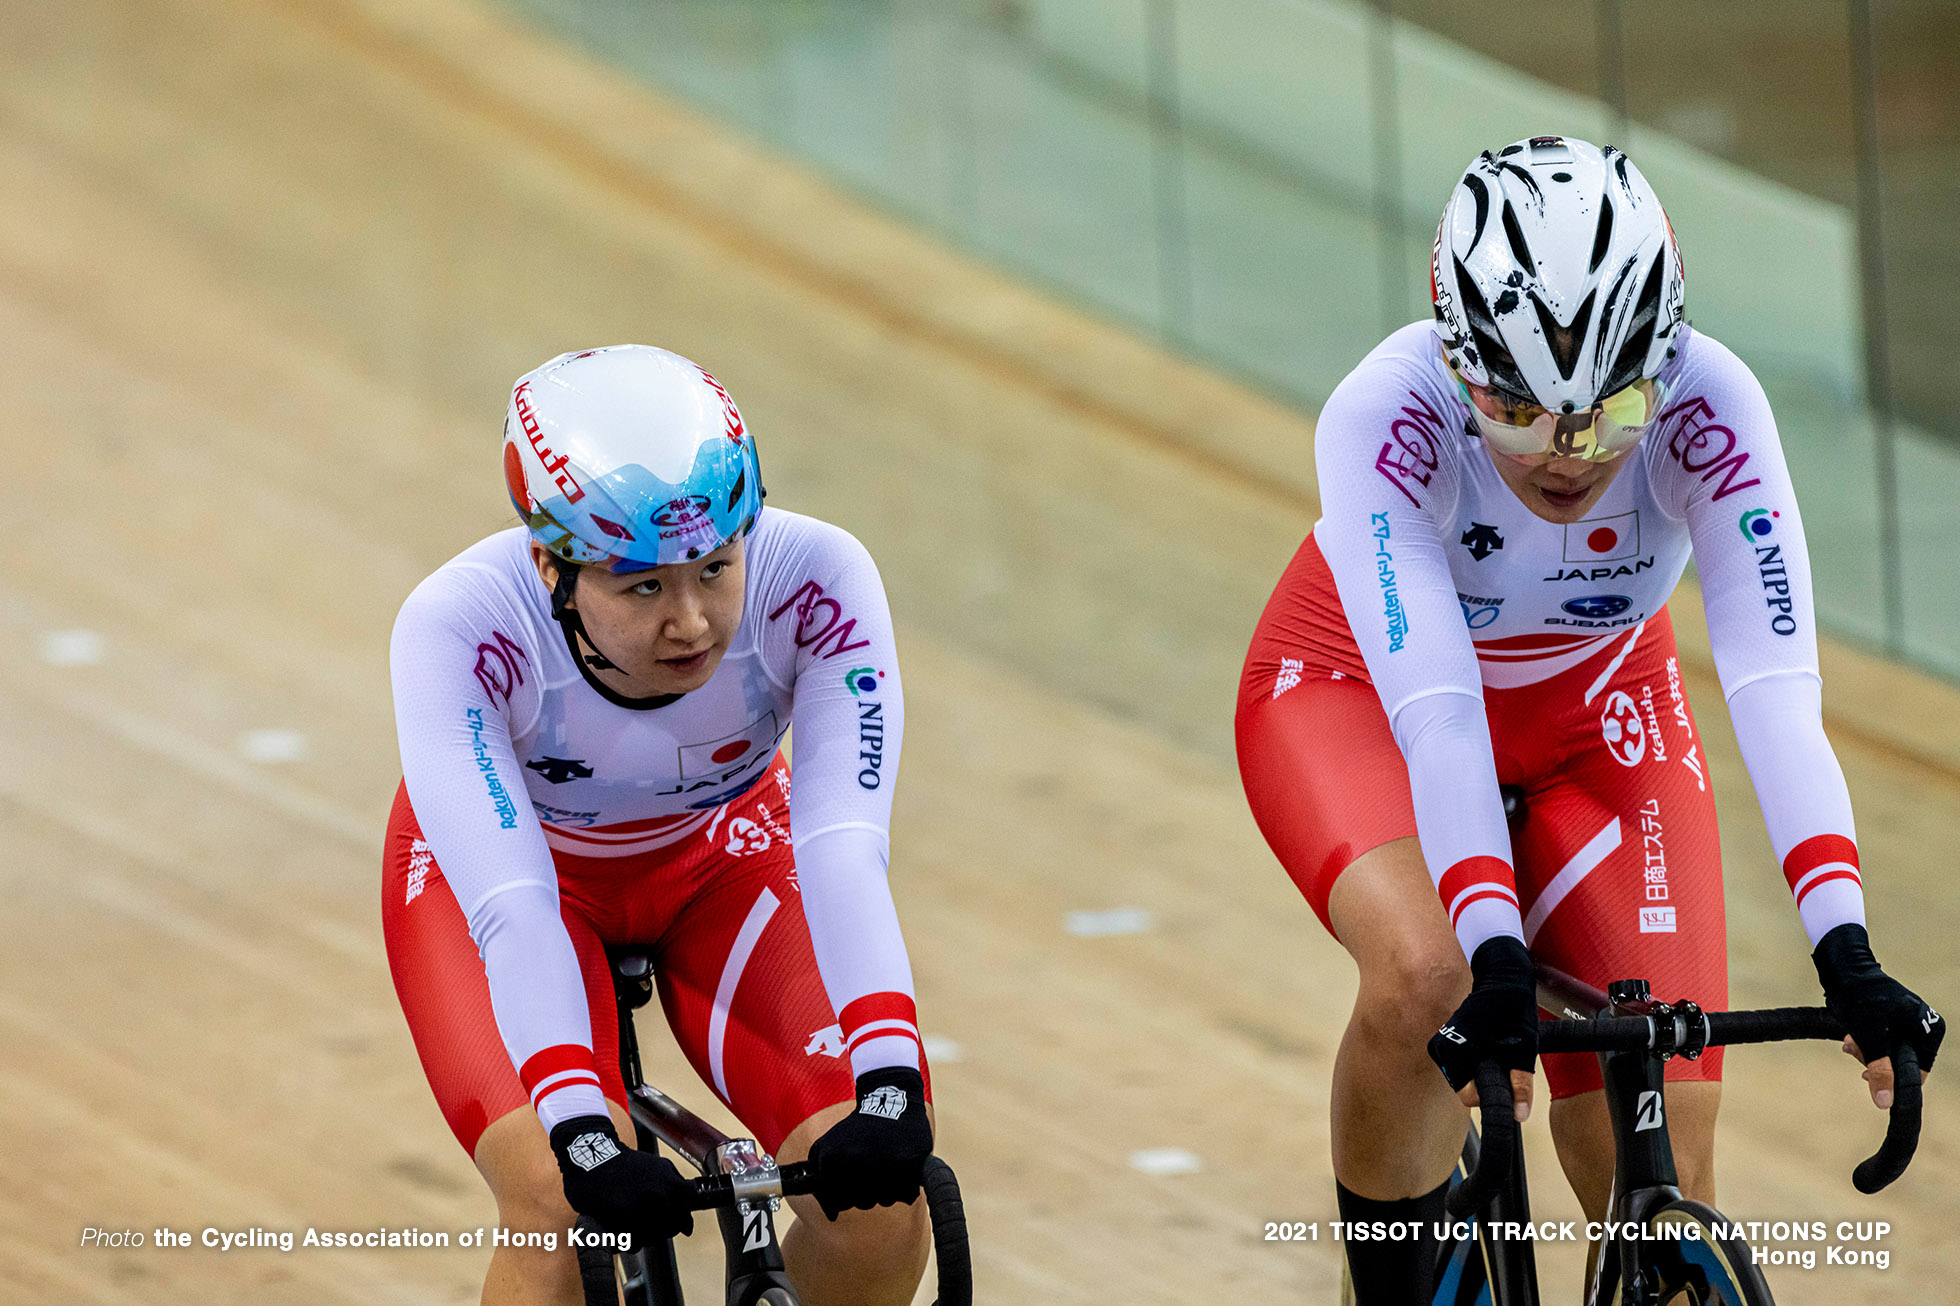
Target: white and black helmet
[1555, 275]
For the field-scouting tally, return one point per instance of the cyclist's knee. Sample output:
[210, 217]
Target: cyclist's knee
[877, 1244]
[515, 1159]
[1408, 992]
[1691, 1110]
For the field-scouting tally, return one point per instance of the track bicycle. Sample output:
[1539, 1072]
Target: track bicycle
[1681, 1252]
[741, 1183]
[1691, 1255]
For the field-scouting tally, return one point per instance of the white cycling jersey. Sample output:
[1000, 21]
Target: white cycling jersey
[1451, 583]
[509, 753]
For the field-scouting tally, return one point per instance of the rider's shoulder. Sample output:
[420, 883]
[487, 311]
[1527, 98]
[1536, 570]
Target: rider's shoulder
[1704, 366]
[789, 543]
[1405, 370]
[491, 574]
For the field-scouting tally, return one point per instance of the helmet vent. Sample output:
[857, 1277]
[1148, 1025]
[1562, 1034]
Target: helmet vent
[1516, 236]
[1632, 359]
[1499, 363]
[1564, 342]
[1604, 236]
[1475, 185]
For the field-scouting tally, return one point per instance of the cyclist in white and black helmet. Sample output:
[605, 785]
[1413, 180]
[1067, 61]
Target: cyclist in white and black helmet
[1509, 496]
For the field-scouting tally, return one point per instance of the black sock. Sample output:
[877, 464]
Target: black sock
[1393, 1272]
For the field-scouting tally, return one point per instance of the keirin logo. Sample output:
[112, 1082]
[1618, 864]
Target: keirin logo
[884, 1101]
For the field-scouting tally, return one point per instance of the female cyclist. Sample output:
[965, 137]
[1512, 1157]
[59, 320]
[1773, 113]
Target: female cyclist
[590, 708]
[1509, 495]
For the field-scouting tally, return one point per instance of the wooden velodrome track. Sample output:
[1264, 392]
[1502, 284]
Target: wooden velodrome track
[266, 269]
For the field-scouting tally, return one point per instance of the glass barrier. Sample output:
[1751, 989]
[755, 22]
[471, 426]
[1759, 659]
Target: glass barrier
[1256, 182]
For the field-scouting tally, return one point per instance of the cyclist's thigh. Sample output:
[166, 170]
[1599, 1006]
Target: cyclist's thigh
[1619, 862]
[439, 979]
[739, 980]
[1325, 780]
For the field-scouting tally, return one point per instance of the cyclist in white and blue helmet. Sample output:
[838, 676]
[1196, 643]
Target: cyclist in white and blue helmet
[591, 709]
[627, 458]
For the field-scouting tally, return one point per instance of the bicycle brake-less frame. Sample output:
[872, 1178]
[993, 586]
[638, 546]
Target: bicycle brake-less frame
[748, 1227]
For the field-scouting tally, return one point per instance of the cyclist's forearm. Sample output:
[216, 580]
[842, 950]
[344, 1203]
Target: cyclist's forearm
[1779, 722]
[1445, 738]
[860, 950]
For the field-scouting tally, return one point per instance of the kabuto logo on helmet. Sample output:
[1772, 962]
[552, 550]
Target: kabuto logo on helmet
[556, 466]
[652, 455]
[729, 413]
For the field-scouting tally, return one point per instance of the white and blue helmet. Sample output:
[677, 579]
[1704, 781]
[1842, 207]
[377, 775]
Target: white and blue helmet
[629, 457]
[1556, 278]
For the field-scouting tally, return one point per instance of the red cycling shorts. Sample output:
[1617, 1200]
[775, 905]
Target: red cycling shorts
[776, 1057]
[1618, 862]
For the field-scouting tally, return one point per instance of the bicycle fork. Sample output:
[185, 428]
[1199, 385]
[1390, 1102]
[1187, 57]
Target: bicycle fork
[1644, 1178]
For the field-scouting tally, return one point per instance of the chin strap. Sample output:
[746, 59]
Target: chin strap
[573, 626]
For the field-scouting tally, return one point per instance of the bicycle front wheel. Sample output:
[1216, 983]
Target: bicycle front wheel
[1700, 1264]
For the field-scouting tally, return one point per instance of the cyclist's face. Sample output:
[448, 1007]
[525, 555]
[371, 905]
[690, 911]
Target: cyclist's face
[1560, 490]
[666, 627]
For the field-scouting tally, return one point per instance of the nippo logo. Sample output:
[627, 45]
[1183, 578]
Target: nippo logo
[1757, 523]
[862, 680]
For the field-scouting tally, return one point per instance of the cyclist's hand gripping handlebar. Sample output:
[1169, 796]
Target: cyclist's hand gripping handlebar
[1723, 1028]
[1493, 1032]
[1495, 1149]
[1901, 1127]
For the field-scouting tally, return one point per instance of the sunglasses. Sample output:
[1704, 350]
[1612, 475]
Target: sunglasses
[1533, 434]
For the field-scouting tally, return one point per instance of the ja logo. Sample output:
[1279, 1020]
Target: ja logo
[1619, 726]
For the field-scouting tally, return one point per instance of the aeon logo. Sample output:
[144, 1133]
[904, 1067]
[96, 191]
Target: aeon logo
[497, 668]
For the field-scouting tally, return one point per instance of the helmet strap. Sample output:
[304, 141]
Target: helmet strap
[573, 626]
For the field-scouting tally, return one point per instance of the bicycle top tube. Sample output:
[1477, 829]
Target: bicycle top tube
[677, 1127]
[1571, 998]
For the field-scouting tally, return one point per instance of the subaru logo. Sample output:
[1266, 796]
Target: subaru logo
[1598, 605]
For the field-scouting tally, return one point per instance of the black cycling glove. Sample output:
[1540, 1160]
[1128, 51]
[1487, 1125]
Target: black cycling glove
[1876, 1010]
[1498, 1021]
[875, 1156]
[626, 1191]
